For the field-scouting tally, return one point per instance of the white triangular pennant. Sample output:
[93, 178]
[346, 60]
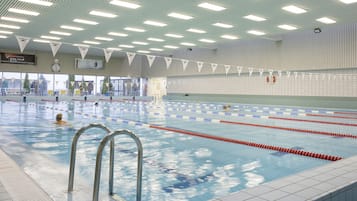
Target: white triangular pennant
[261, 71]
[83, 50]
[280, 73]
[131, 56]
[168, 61]
[288, 73]
[214, 67]
[250, 70]
[107, 54]
[271, 72]
[199, 65]
[22, 41]
[239, 70]
[55, 46]
[227, 68]
[151, 59]
[72, 83]
[296, 75]
[184, 64]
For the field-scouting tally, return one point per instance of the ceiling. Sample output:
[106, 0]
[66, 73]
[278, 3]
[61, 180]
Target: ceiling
[63, 12]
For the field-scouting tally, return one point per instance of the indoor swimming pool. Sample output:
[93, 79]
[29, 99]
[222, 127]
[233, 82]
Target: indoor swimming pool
[192, 150]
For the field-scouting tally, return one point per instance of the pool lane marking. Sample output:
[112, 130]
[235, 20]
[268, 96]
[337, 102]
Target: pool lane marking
[312, 121]
[349, 113]
[330, 116]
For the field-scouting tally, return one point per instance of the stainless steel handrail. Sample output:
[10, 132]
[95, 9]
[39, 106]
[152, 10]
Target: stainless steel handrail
[98, 164]
[74, 150]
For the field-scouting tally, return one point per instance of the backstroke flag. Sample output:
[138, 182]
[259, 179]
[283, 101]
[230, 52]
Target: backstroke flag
[151, 59]
[22, 41]
[214, 67]
[184, 64]
[130, 56]
[199, 65]
[107, 54]
[226, 68]
[239, 70]
[55, 46]
[250, 70]
[168, 61]
[261, 71]
[83, 50]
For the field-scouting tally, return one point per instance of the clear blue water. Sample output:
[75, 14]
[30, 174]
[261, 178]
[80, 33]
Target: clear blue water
[177, 166]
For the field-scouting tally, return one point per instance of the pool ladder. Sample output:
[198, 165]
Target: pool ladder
[109, 137]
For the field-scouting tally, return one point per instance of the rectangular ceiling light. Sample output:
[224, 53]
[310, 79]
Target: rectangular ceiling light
[180, 16]
[326, 20]
[211, 6]
[287, 27]
[223, 25]
[255, 18]
[40, 41]
[188, 44]
[348, 1]
[102, 14]
[12, 19]
[91, 42]
[71, 28]
[134, 29]
[207, 40]
[51, 37]
[143, 51]
[2, 36]
[154, 23]
[230, 37]
[156, 49]
[174, 35]
[117, 34]
[9, 26]
[294, 9]
[24, 12]
[125, 4]
[85, 21]
[255, 32]
[140, 43]
[171, 46]
[38, 2]
[156, 39]
[80, 45]
[103, 38]
[196, 31]
[60, 33]
[114, 48]
[127, 46]
[6, 32]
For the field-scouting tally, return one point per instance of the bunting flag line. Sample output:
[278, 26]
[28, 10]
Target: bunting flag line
[199, 65]
[55, 46]
[168, 61]
[250, 70]
[184, 64]
[261, 71]
[107, 54]
[22, 41]
[151, 59]
[239, 70]
[214, 67]
[83, 50]
[130, 56]
[227, 68]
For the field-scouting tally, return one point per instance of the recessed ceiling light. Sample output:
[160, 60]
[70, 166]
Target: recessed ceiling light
[91, 42]
[171, 46]
[85, 21]
[326, 20]
[125, 4]
[80, 45]
[71, 28]
[6, 32]
[287, 27]
[127, 46]
[211, 6]
[187, 44]
[231, 37]
[223, 25]
[294, 9]
[134, 29]
[143, 51]
[117, 34]
[156, 49]
[180, 16]
[154, 23]
[255, 18]
[348, 1]
[103, 38]
[24, 12]
[114, 48]
[156, 39]
[12, 19]
[51, 37]
[40, 41]
[60, 33]
[38, 2]
[2, 36]
[255, 32]
[196, 30]
[9, 26]
[174, 35]
[102, 14]
[207, 40]
[140, 43]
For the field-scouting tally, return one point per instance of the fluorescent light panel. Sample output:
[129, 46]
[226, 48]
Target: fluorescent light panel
[71, 28]
[134, 29]
[255, 32]
[85, 21]
[348, 1]
[287, 27]
[155, 23]
[156, 39]
[12, 19]
[6, 32]
[117, 34]
[207, 40]
[103, 38]
[24, 12]
[2, 36]
[294, 9]
[91, 42]
[143, 51]
[127, 46]
[125, 4]
[9, 26]
[326, 20]
[180, 16]
[156, 49]
[38, 2]
[40, 41]
[140, 43]
[60, 33]
[211, 6]
[188, 44]
[114, 48]
[80, 45]
[196, 31]
[102, 14]
[174, 35]
[223, 25]
[231, 37]
[171, 46]
[255, 18]
[51, 37]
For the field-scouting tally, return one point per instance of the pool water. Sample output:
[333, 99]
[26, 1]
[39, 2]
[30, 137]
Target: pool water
[177, 166]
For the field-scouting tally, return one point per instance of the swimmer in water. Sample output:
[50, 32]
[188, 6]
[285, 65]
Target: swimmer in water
[59, 120]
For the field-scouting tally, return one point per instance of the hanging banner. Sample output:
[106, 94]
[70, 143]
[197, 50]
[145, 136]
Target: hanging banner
[184, 64]
[199, 65]
[55, 46]
[279, 73]
[288, 73]
[296, 75]
[239, 70]
[168, 61]
[83, 50]
[250, 70]
[22, 41]
[261, 71]
[226, 68]
[130, 56]
[214, 67]
[151, 59]
[310, 76]
[107, 54]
